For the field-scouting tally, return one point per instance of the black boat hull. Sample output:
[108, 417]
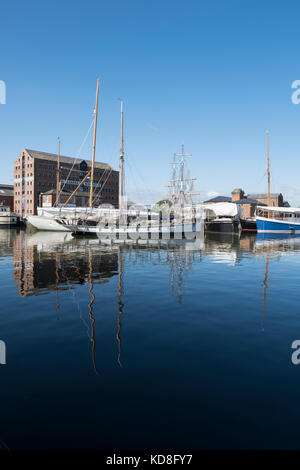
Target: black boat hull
[248, 225]
[222, 226]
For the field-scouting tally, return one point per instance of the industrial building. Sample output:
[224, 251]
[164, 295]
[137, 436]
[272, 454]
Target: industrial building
[35, 173]
[250, 201]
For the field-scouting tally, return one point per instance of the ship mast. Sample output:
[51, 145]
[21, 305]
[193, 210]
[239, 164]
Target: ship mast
[94, 146]
[58, 175]
[180, 186]
[121, 162]
[268, 159]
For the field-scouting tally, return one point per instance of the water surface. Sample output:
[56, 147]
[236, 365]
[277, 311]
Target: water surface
[148, 347]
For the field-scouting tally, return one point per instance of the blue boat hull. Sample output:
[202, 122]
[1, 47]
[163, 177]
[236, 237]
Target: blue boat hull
[274, 226]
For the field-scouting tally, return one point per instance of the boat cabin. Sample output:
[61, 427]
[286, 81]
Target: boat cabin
[288, 214]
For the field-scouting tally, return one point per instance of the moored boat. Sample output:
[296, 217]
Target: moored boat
[144, 229]
[8, 218]
[223, 225]
[248, 225]
[278, 220]
[272, 219]
[52, 224]
[222, 217]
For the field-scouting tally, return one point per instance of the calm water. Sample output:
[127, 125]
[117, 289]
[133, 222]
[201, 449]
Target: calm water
[123, 348]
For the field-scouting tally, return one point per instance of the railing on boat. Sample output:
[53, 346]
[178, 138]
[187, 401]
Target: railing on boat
[278, 213]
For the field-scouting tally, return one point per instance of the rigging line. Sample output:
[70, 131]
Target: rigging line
[136, 187]
[275, 182]
[135, 167]
[99, 181]
[132, 175]
[262, 177]
[102, 176]
[99, 192]
[78, 154]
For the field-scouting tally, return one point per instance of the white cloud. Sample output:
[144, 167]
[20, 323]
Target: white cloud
[212, 194]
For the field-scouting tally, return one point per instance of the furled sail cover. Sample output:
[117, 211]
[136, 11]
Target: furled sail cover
[224, 209]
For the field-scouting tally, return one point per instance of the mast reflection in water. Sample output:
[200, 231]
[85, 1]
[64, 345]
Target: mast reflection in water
[164, 343]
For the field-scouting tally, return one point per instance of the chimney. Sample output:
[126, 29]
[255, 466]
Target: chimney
[237, 194]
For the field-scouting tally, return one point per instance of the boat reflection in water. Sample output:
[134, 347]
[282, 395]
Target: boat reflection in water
[45, 262]
[272, 246]
[136, 332]
[228, 248]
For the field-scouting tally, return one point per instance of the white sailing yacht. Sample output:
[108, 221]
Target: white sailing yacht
[62, 219]
[183, 219]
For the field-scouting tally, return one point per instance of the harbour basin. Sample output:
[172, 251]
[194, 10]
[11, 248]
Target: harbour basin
[150, 346]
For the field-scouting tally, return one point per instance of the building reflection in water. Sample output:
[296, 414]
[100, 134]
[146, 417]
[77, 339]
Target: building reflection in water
[45, 266]
[45, 262]
[228, 248]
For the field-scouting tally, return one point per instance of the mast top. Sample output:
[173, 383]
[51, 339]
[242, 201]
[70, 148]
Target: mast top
[182, 154]
[94, 146]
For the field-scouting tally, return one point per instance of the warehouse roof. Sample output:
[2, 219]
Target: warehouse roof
[247, 200]
[64, 159]
[219, 199]
[6, 190]
[263, 196]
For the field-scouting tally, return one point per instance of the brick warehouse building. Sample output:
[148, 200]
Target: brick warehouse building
[249, 202]
[36, 173]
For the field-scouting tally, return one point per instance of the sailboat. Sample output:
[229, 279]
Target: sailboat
[139, 224]
[89, 225]
[272, 219]
[62, 218]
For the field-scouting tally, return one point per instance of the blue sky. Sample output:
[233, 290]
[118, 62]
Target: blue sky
[215, 75]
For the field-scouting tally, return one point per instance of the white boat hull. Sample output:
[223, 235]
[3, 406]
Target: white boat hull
[8, 220]
[134, 233]
[269, 225]
[47, 224]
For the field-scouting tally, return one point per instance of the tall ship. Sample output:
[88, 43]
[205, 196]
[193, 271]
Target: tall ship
[177, 218]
